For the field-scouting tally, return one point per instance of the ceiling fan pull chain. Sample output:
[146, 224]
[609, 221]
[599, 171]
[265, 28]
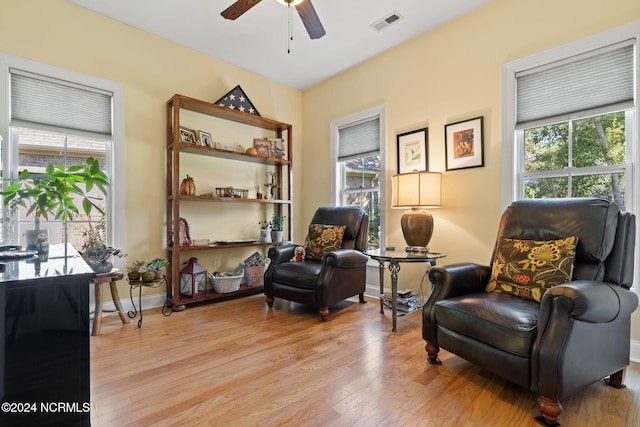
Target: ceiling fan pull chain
[290, 35]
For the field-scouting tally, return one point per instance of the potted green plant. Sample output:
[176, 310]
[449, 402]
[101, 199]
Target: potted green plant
[156, 265]
[133, 269]
[277, 226]
[50, 194]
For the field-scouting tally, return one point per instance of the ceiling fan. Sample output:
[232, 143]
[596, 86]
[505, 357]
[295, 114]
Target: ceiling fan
[304, 7]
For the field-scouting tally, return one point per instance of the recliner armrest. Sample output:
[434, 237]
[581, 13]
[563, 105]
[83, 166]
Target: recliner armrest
[593, 301]
[345, 258]
[280, 254]
[458, 279]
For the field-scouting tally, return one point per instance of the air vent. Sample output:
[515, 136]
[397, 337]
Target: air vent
[392, 18]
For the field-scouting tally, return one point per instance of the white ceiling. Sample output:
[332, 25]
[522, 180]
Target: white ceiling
[257, 40]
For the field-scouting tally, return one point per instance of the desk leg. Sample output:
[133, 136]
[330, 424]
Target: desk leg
[118, 304]
[97, 315]
[381, 269]
[394, 268]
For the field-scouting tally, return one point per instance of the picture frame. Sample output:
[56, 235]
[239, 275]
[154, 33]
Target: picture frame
[413, 151]
[277, 148]
[205, 138]
[464, 144]
[187, 135]
[263, 147]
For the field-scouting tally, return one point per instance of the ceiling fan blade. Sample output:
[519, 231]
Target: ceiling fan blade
[310, 19]
[238, 8]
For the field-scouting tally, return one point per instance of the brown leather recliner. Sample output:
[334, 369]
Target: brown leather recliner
[340, 275]
[578, 334]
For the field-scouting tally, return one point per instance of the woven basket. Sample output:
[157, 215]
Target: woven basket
[226, 282]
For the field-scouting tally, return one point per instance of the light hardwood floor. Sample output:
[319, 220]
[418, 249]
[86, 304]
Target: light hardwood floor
[237, 363]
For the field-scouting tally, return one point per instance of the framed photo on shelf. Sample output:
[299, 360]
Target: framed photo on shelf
[187, 135]
[464, 145]
[205, 138]
[263, 147]
[277, 148]
[412, 151]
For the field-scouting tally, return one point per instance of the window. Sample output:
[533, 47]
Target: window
[56, 116]
[585, 154]
[358, 180]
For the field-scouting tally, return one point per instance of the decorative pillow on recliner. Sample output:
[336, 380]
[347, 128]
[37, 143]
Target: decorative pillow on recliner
[322, 239]
[527, 268]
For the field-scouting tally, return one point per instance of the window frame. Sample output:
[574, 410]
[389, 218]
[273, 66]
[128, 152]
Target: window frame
[115, 150]
[512, 152]
[378, 112]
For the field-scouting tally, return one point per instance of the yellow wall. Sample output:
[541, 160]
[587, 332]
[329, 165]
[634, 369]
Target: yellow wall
[450, 74]
[152, 70]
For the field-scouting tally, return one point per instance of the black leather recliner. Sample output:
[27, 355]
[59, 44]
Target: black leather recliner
[578, 334]
[340, 275]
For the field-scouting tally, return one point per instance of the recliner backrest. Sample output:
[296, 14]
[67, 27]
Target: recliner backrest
[354, 217]
[593, 220]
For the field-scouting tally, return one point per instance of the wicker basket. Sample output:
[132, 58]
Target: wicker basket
[226, 282]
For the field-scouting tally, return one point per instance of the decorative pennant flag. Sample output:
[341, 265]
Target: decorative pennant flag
[236, 99]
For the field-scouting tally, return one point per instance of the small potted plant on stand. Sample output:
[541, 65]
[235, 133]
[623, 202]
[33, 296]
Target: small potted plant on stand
[276, 224]
[132, 270]
[156, 265]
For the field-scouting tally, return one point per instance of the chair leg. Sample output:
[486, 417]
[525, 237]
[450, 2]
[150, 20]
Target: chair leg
[361, 296]
[432, 353]
[616, 379]
[551, 410]
[270, 301]
[324, 313]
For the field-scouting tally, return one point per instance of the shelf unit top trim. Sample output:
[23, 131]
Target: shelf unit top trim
[191, 104]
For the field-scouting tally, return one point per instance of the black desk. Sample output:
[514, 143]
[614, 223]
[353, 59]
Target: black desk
[44, 350]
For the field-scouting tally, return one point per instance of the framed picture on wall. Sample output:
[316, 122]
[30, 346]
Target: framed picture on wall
[464, 145]
[412, 151]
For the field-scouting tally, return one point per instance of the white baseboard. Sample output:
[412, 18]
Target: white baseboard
[635, 351]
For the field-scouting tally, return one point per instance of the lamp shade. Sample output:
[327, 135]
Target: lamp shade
[416, 189]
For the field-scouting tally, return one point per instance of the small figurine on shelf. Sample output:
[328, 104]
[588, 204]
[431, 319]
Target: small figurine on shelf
[272, 175]
[188, 187]
[298, 254]
[265, 232]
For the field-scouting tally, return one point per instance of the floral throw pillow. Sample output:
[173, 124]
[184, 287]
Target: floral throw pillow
[322, 239]
[527, 268]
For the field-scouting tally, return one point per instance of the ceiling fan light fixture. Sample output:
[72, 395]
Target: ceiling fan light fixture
[290, 2]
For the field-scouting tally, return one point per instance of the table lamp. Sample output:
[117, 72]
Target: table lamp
[416, 190]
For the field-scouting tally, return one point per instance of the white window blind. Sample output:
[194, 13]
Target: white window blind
[585, 83]
[359, 140]
[51, 104]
